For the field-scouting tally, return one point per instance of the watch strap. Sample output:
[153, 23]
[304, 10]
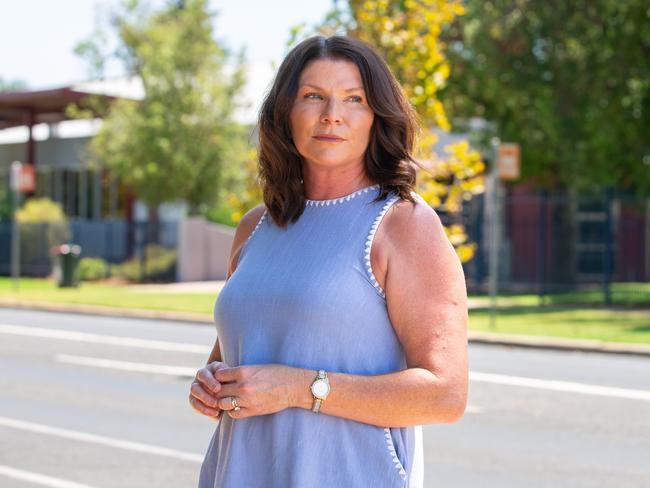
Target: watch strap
[315, 407]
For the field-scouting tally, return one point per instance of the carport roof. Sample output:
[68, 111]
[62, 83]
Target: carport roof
[35, 106]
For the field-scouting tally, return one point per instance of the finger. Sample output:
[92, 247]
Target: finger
[198, 392]
[205, 377]
[241, 413]
[227, 374]
[202, 408]
[225, 403]
[230, 390]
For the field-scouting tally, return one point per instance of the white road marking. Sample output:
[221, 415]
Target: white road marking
[567, 386]
[39, 479]
[126, 365]
[553, 385]
[70, 335]
[98, 439]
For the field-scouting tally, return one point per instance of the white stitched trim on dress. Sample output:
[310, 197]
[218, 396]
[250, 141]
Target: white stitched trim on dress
[369, 240]
[257, 226]
[333, 201]
[393, 453]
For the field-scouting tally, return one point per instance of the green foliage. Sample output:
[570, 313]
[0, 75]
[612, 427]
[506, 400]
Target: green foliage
[93, 269]
[221, 214]
[40, 210]
[5, 203]
[568, 81]
[43, 225]
[170, 145]
[160, 265]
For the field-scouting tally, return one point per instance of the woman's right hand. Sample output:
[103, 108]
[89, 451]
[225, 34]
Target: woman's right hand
[204, 388]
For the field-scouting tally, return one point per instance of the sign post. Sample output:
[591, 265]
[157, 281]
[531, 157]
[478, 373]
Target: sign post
[506, 166]
[22, 179]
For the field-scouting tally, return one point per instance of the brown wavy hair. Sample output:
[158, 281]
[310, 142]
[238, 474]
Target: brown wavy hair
[388, 158]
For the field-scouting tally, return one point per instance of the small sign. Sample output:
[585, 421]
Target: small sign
[23, 177]
[508, 161]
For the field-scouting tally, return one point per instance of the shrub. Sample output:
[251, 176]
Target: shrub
[43, 225]
[160, 265]
[93, 269]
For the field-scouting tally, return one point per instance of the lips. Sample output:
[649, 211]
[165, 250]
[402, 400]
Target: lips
[329, 138]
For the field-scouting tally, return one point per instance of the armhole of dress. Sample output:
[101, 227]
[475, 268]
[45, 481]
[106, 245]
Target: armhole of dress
[369, 240]
[245, 244]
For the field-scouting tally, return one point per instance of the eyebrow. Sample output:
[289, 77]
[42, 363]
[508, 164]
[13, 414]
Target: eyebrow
[346, 90]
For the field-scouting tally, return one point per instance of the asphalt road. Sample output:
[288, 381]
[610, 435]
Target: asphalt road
[86, 402]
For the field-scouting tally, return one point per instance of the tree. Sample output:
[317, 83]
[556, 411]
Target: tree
[568, 81]
[407, 35]
[170, 145]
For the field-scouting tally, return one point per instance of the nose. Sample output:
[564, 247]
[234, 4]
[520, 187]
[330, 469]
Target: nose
[331, 113]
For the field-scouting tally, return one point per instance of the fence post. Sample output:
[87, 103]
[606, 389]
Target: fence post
[541, 246]
[607, 258]
[495, 228]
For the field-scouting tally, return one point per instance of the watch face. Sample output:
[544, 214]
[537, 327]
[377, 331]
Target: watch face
[320, 388]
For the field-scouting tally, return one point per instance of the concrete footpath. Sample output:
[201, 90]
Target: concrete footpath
[514, 340]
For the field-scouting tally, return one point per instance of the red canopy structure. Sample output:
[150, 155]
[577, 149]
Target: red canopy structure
[29, 108]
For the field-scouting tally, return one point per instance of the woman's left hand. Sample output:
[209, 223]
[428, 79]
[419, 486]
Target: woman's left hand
[258, 389]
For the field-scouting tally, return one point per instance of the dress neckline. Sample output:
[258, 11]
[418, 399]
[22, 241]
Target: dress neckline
[334, 201]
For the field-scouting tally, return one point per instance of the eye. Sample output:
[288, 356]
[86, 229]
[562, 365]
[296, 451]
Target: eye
[308, 95]
[357, 97]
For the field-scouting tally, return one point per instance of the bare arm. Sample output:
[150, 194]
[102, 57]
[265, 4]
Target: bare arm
[427, 304]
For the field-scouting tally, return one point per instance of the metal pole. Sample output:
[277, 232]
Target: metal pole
[541, 246]
[15, 228]
[494, 238]
[607, 253]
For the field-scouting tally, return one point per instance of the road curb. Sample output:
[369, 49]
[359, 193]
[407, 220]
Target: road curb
[136, 313]
[537, 342]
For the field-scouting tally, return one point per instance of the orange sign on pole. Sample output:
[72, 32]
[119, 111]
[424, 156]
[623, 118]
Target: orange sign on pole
[508, 161]
[27, 178]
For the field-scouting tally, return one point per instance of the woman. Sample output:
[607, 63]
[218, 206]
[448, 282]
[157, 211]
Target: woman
[338, 337]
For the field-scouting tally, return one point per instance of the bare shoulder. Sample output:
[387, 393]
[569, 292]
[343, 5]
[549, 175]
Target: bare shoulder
[408, 230]
[248, 222]
[413, 226]
[244, 229]
[421, 263]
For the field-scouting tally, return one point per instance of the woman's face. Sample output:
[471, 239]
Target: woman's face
[331, 101]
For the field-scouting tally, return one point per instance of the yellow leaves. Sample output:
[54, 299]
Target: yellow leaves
[407, 34]
[40, 210]
[466, 252]
[240, 202]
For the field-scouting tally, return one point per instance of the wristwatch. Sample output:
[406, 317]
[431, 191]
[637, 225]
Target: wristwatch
[320, 388]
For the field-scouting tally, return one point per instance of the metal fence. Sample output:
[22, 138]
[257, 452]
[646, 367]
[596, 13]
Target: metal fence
[133, 250]
[593, 247]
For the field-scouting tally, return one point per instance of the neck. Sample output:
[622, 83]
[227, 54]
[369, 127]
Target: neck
[325, 190]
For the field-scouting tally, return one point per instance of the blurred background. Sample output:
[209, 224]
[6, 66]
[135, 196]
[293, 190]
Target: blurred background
[128, 152]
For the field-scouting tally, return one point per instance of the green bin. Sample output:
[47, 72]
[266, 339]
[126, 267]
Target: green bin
[67, 261]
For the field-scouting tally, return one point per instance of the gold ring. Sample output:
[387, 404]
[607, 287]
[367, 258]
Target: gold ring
[234, 404]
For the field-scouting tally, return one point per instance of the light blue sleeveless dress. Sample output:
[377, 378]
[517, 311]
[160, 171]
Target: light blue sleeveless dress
[306, 297]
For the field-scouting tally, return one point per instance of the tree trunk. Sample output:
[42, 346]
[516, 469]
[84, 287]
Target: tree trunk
[153, 226]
